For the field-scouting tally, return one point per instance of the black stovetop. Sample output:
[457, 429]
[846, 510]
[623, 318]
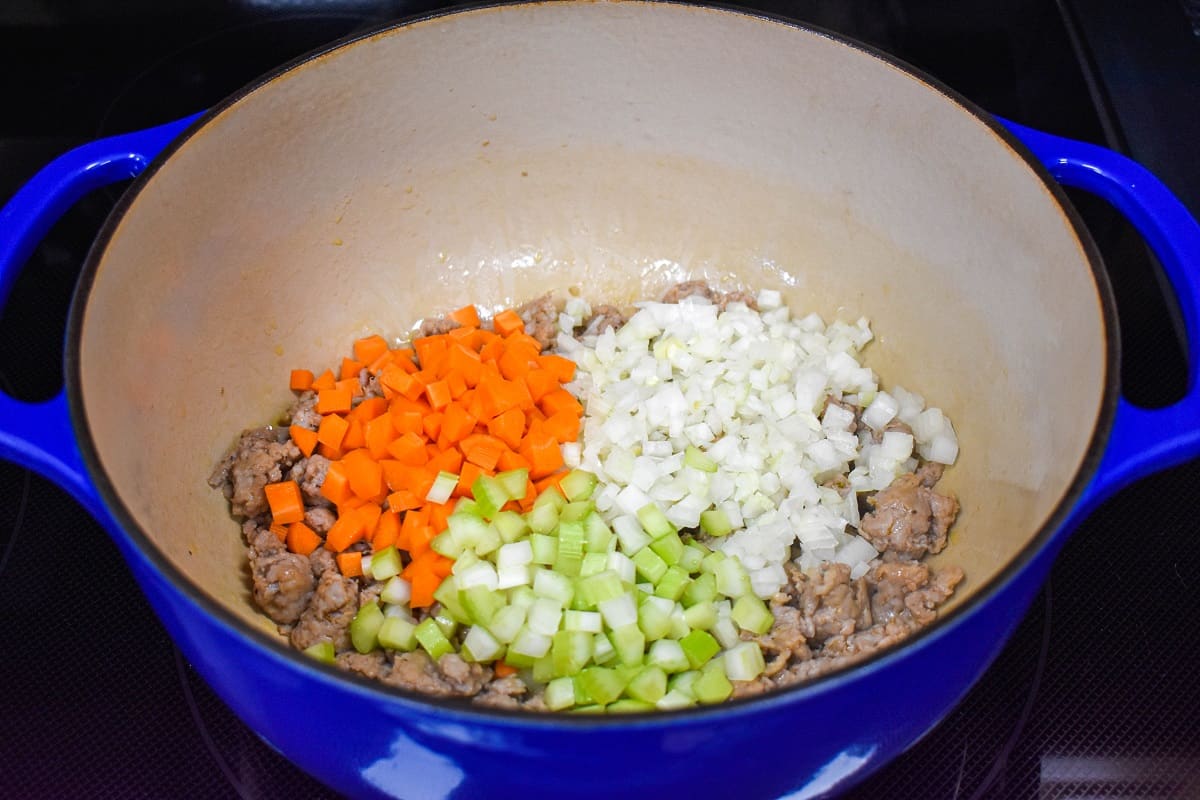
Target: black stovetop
[1097, 695]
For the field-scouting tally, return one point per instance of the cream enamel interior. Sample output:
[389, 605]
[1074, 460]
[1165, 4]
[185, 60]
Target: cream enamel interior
[493, 155]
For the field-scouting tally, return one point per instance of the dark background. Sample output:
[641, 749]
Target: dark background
[1096, 696]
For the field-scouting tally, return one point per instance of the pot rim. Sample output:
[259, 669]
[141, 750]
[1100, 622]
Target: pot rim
[461, 709]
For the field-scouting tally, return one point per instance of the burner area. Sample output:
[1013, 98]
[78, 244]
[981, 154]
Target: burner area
[1095, 696]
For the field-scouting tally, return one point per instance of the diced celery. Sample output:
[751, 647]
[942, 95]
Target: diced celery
[623, 565]
[700, 616]
[514, 554]
[480, 604]
[396, 591]
[732, 578]
[465, 561]
[589, 709]
[679, 626]
[322, 651]
[544, 616]
[489, 540]
[550, 497]
[560, 694]
[602, 649]
[467, 505]
[467, 530]
[543, 669]
[530, 644]
[690, 558]
[595, 589]
[702, 589]
[444, 544]
[489, 495]
[669, 548]
[545, 548]
[510, 525]
[630, 644]
[725, 632]
[752, 614]
[603, 684]
[672, 584]
[543, 518]
[668, 655]
[442, 488]
[654, 617]
[713, 686]
[619, 611]
[578, 484]
[630, 534]
[447, 595]
[649, 685]
[570, 548]
[364, 628]
[696, 458]
[522, 596]
[593, 563]
[480, 573]
[548, 583]
[628, 706]
[447, 623]
[744, 661]
[507, 622]
[599, 537]
[684, 682]
[480, 645]
[575, 512]
[715, 522]
[709, 564]
[571, 650]
[519, 661]
[699, 647]
[589, 621]
[649, 565]
[515, 482]
[385, 563]
[654, 521]
[432, 639]
[673, 701]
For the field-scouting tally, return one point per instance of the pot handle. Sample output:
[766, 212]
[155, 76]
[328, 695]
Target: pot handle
[39, 435]
[1142, 440]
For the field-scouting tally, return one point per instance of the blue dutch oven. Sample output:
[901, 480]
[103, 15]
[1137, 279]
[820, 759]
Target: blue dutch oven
[490, 155]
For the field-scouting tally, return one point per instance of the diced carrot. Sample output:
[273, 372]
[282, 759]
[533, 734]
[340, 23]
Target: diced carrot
[364, 473]
[531, 494]
[432, 425]
[467, 476]
[286, 504]
[369, 514]
[483, 450]
[448, 460]
[333, 401]
[409, 449]
[465, 362]
[351, 385]
[378, 434]
[517, 360]
[354, 438]
[301, 380]
[503, 670]
[350, 563]
[405, 357]
[510, 460]
[383, 360]
[336, 486]
[305, 439]
[508, 322]
[344, 532]
[406, 421]
[429, 349]
[525, 342]
[404, 500]
[508, 427]
[543, 454]
[540, 382]
[563, 426]
[553, 479]
[491, 351]
[438, 394]
[302, 539]
[466, 316]
[456, 423]
[563, 369]
[387, 529]
[423, 583]
[280, 530]
[369, 348]
[456, 383]
[439, 513]
[369, 409]
[394, 377]
[332, 453]
[559, 400]
[350, 368]
[324, 381]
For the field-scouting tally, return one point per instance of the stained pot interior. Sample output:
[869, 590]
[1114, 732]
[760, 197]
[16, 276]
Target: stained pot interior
[493, 155]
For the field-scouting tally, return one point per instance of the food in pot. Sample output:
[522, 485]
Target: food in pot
[565, 507]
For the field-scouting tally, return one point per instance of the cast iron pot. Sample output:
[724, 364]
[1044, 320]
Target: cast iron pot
[493, 154]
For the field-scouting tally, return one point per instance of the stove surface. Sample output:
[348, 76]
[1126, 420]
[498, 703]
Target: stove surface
[1095, 696]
